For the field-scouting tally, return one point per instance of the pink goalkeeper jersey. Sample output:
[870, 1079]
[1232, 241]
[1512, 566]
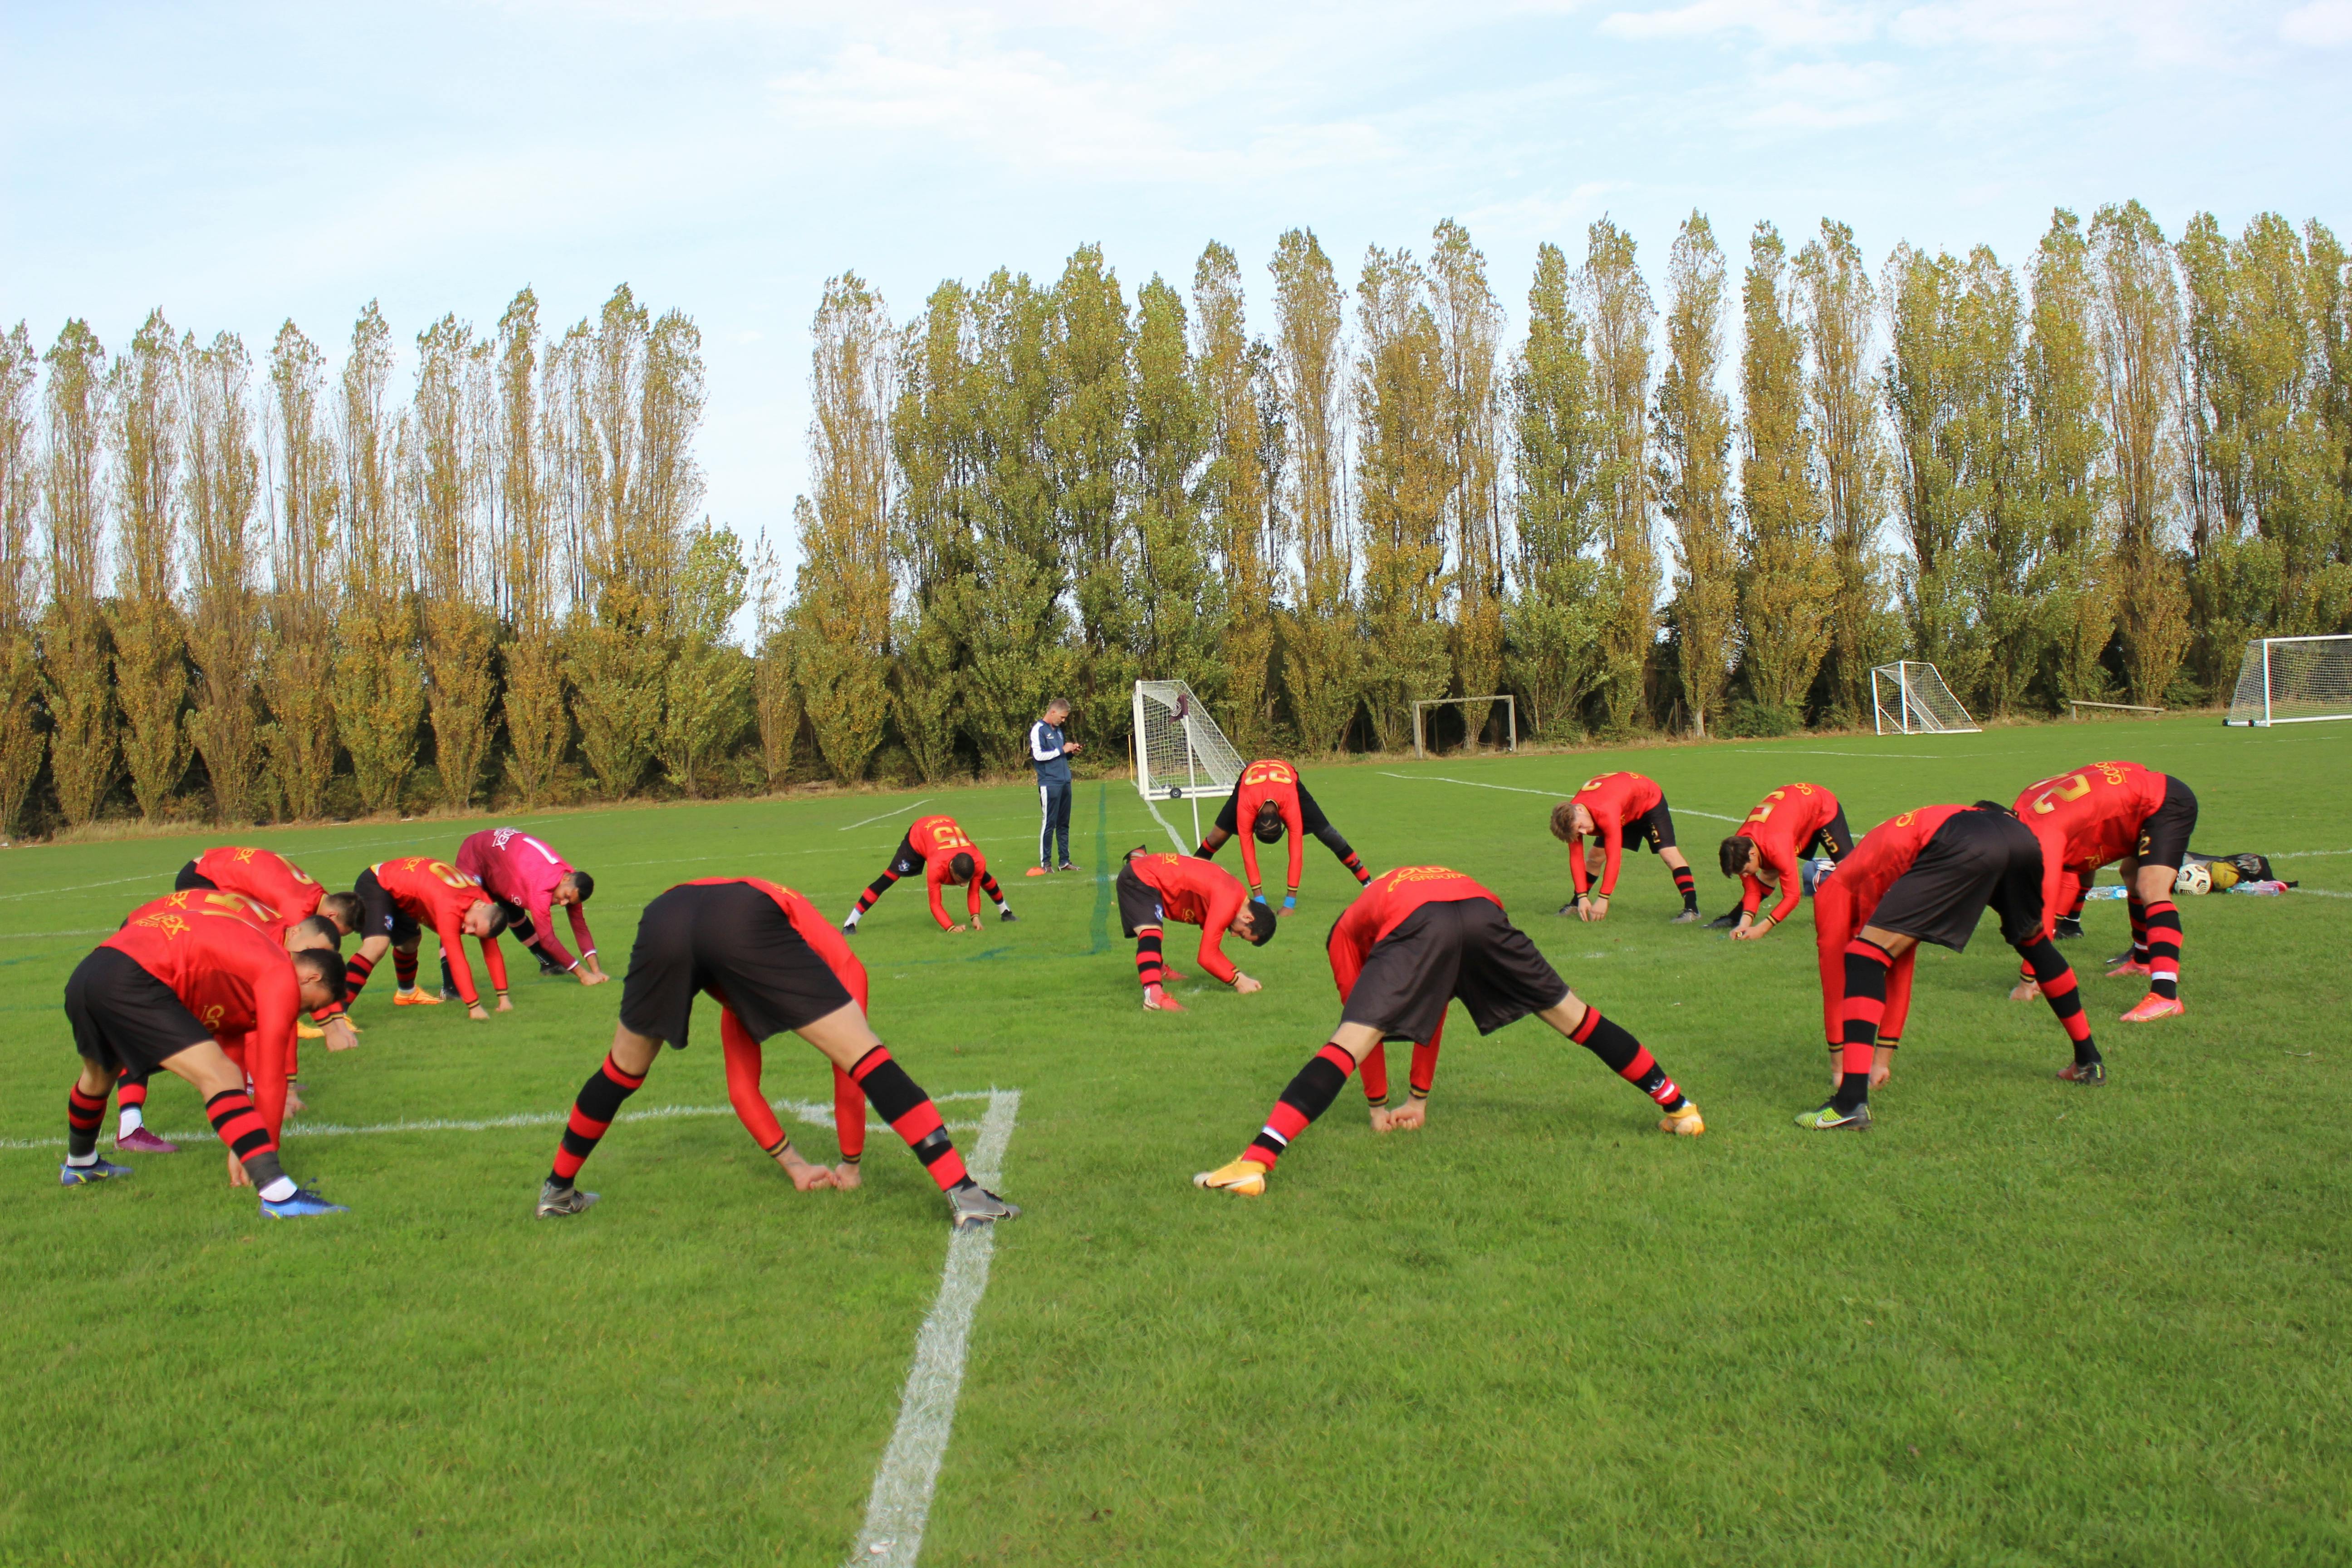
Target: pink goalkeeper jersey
[515, 868]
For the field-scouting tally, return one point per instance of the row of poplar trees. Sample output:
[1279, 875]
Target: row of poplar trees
[2093, 477]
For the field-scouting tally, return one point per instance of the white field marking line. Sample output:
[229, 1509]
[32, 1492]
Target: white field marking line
[2322, 892]
[2309, 854]
[900, 1503]
[1866, 756]
[151, 876]
[1174, 838]
[32, 935]
[810, 1111]
[886, 815]
[1550, 794]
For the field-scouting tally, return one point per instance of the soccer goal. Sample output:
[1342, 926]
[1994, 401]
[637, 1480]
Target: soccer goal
[1420, 723]
[1180, 753]
[2293, 680]
[1910, 699]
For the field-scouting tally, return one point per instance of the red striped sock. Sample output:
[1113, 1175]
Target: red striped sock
[84, 1113]
[2164, 949]
[911, 1115]
[1866, 967]
[1310, 1095]
[599, 1099]
[1150, 965]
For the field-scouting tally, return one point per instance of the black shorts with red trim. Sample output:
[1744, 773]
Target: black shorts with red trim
[1655, 827]
[1459, 949]
[1977, 859]
[729, 939]
[1834, 839]
[907, 859]
[191, 879]
[1139, 903]
[379, 916]
[124, 1019]
[2164, 835]
[1311, 820]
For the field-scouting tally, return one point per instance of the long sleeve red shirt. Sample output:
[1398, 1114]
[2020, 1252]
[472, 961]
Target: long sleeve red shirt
[1198, 893]
[269, 879]
[939, 841]
[2086, 819]
[1269, 779]
[1614, 800]
[1886, 852]
[520, 869]
[436, 894]
[223, 956]
[1782, 824]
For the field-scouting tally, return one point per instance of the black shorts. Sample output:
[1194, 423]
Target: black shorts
[1463, 948]
[379, 916]
[1835, 839]
[1656, 826]
[1310, 816]
[729, 939]
[124, 1019]
[1977, 859]
[1139, 903]
[907, 859]
[190, 877]
[2164, 837]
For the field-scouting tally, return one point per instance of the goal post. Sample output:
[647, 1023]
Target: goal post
[2293, 680]
[1180, 753]
[1909, 698]
[1510, 711]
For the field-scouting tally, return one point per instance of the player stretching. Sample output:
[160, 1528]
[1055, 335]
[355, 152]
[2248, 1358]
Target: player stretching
[1618, 809]
[533, 882]
[1786, 826]
[1418, 938]
[946, 855]
[2120, 811]
[1929, 876]
[200, 984]
[1273, 799]
[401, 898]
[1156, 888]
[773, 964]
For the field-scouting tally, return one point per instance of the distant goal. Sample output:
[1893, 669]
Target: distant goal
[1420, 723]
[1909, 698]
[2293, 680]
[1180, 753]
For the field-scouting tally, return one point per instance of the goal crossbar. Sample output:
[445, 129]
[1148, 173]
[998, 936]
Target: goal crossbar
[1909, 698]
[1511, 710]
[2293, 680]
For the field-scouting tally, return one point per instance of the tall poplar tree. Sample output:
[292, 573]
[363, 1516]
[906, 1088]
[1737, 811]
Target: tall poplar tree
[1558, 449]
[443, 474]
[1692, 476]
[2007, 559]
[935, 442]
[1787, 579]
[2139, 343]
[1090, 476]
[1470, 331]
[223, 470]
[77, 654]
[1180, 598]
[379, 688]
[1404, 476]
[525, 442]
[305, 589]
[1927, 361]
[1322, 656]
[150, 642]
[1240, 507]
[2068, 482]
[1617, 312]
[705, 689]
[22, 742]
[1838, 307]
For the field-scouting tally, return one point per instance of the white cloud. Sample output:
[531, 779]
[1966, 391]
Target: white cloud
[1830, 95]
[1778, 24]
[2323, 24]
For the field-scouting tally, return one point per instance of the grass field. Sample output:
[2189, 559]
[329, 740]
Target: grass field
[2018, 1323]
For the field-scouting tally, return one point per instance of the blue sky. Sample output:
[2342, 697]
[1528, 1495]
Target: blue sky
[239, 165]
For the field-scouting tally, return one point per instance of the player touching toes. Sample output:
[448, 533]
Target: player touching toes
[1156, 888]
[400, 899]
[1616, 810]
[1273, 800]
[532, 881]
[1427, 936]
[2111, 812]
[1786, 826]
[1929, 876]
[946, 855]
[773, 964]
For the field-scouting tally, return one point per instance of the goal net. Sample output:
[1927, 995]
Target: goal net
[2293, 680]
[1910, 699]
[1179, 750]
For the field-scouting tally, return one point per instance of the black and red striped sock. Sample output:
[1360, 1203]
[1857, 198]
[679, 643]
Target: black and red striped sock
[356, 970]
[600, 1101]
[2164, 949]
[2139, 929]
[1425, 1070]
[130, 1093]
[1151, 964]
[874, 892]
[1626, 1057]
[988, 885]
[247, 1136]
[1355, 863]
[2065, 998]
[1310, 1095]
[1866, 967]
[1375, 1067]
[911, 1115]
[403, 969]
[2081, 897]
[83, 1114]
[1686, 885]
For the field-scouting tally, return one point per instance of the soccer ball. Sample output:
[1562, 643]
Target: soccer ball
[2194, 880]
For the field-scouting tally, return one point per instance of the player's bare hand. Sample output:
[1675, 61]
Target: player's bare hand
[975, 922]
[506, 1004]
[1382, 1118]
[293, 1099]
[340, 1034]
[806, 1178]
[592, 976]
[1879, 1073]
[475, 1012]
[2025, 991]
[1244, 984]
[1409, 1117]
[236, 1176]
[846, 1177]
[958, 928]
[1748, 932]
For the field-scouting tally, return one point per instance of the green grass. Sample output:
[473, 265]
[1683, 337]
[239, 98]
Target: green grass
[2018, 1323]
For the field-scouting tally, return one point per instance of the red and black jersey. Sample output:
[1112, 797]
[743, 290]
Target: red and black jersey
[1269, 779]
[939, 841]
[2091, 817]
[224, 956]
[1780, 826]
[437, 894]
[824, 938]
[1614, 800]
[1887, 851]
[1198, 893]
[269, 879]
[1384, 905]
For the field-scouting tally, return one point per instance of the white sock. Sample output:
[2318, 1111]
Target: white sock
[131, 1120]
[853, 913]
[278, 1191]
[82, 1161]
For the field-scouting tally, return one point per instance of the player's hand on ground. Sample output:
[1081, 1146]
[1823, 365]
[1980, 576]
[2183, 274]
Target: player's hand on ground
[592, 976]
[846, 1177]
[236, 1176]
[293, 1099]
[975, 922]
[958, 928]
[1411, 1115]
[340, 1034]
[506, 1004]
[1382, 1118]
[1879, 1073]
[1244, 984]
[2025, 991]
[806, 1178]
[1593, 909]
[1749, 930]
[475, 1012]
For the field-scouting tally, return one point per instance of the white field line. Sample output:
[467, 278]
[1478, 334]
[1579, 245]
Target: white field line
[900, 1503]
[1175, 838]
[35, 935]
[1548, 794]
[1866, 756]
[2308, 854]
[2324, 892]
[814, 1113]
[886, 815]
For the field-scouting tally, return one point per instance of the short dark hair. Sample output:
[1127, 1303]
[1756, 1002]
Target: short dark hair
[585, 883]
[1734, 852]
[499, 919]
[1993, 806]
[961, 868]
[324, 967]
[321, 926]
[1263, 924]
[1269, 825]
[344, 908]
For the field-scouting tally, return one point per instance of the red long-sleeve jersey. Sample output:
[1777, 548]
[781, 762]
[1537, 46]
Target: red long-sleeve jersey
[1782, 824]
[223, 957]
[939, 841]
[268, 879]
[1269, 779]
[436, 894]
[521, 871]
[2086, 819]
[1198, 893]
[1382, 907]
[1614, 800]
[1886, 852]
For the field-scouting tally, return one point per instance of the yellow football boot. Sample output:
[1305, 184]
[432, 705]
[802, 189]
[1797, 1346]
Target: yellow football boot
[308, 1032]
[1684, 1123]
[1241, 1177]
[418, 997]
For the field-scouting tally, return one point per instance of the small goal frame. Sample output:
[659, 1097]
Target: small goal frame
[1212, 764]
[1909, 680]
[1510, 711]
[2253, 704]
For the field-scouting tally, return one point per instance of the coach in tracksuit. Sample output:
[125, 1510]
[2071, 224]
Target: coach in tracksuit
[1050, 754]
